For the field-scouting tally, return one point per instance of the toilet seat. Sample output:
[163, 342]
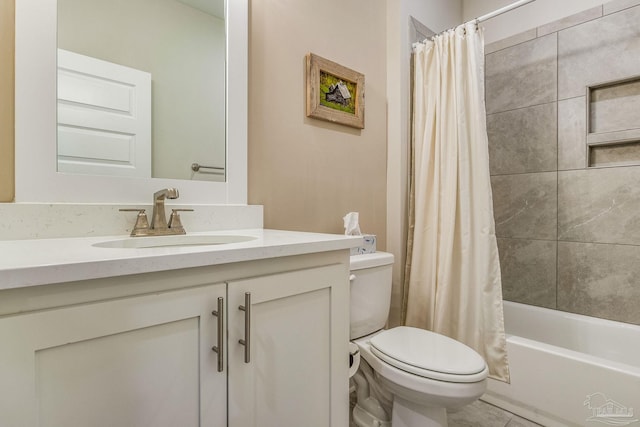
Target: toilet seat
[428, 355]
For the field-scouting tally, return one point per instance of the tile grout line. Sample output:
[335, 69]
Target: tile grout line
[515, 44]
[525, 107]
[529, 239]
[558, 99]
[557, 166]
[620, 10]
[523, 173]
[569, 26]
[558, 241]
[591, 168]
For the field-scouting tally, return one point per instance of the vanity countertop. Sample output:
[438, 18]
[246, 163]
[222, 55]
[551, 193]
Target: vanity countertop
[36, 262]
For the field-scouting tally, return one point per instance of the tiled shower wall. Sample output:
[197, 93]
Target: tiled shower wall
[568, 222]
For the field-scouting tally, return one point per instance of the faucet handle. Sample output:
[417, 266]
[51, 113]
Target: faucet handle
[141, 227]
[174, 221]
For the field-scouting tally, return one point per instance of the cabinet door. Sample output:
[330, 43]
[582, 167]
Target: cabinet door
[139, 361]
[297, 372]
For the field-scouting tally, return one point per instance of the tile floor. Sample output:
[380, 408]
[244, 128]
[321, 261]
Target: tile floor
[481, 414]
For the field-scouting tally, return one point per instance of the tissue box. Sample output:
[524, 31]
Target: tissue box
[368, 245]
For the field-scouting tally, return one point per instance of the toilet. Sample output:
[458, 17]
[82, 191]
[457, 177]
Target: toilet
[424, 373]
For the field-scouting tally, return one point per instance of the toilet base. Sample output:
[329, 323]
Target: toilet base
[408, 414]
[363, 418]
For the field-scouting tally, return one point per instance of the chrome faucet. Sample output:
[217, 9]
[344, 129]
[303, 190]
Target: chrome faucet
[159, 225]
[158, 218]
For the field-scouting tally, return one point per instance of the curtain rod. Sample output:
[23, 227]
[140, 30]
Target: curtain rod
[500, 11]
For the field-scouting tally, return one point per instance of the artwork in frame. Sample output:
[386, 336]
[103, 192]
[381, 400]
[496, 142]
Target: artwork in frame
[334, 93]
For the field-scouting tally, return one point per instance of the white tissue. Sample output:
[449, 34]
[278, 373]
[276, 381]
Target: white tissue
[351, 226]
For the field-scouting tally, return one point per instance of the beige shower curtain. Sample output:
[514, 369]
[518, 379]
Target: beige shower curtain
[452, 279]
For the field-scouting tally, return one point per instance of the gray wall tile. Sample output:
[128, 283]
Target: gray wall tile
[599, 280]
[598, 51]
[523, 140]
[572, 133]
[510, 41]
[528, 271]
[522, 75]
[599, 205]
[525, 205]
[542, 218]
[618, 5]
[570, 21]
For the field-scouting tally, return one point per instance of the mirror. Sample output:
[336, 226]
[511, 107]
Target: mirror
[37, 178]
[141, 88]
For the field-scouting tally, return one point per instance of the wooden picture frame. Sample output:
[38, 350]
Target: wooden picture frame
[334, 93]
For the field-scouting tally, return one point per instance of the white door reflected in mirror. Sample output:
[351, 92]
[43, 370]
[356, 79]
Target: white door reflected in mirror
[104, 117]
[181, 45]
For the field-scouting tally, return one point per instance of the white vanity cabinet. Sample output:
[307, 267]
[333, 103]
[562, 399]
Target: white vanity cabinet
[292, 369]
[137, 350]
[138, 361]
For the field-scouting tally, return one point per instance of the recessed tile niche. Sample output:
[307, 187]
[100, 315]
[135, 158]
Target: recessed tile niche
[613, 127]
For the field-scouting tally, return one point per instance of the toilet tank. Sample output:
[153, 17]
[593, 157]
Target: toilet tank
[371, 279]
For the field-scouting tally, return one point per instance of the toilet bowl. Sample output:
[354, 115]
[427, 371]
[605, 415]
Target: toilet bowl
[426, 373]
[424, 394]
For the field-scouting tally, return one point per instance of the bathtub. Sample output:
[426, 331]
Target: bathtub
[568, 369]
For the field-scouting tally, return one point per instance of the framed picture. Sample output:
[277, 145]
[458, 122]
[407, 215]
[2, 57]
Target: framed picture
[334, 93]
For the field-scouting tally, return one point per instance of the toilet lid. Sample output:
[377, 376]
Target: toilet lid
[421, 352]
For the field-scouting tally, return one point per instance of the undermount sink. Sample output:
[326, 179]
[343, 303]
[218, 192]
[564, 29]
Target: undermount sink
[169, 241]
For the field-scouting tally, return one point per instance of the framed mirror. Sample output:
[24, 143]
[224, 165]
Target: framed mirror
[37, 111]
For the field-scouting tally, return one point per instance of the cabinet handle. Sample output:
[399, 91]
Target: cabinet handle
[246, 342]
[219, 313]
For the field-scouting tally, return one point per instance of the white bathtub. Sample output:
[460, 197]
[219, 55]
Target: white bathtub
[568, 369]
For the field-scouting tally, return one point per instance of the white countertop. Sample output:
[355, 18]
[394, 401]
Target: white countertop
[45, 261]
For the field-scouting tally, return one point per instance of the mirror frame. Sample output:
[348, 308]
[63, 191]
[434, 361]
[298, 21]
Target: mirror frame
[37, 179]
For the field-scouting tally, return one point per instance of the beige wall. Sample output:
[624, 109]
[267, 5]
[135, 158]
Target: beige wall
[6, 100]
[309, 173]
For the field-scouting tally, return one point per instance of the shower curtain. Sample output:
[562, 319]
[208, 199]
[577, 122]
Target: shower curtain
[452, 278]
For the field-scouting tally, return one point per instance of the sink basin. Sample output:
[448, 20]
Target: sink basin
[169, 241]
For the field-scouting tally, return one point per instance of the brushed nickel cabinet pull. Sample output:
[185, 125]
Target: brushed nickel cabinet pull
[246, 342]
[219, 313]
